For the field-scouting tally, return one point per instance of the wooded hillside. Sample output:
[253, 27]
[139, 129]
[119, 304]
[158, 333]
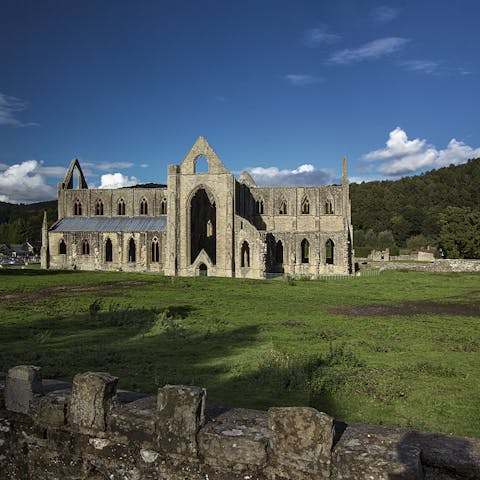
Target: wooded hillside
[416, 211]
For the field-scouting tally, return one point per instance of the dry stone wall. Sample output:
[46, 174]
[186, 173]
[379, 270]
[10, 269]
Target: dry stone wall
[90, 430]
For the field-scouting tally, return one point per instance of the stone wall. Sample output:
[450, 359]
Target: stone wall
[90, 430]
[438, 265]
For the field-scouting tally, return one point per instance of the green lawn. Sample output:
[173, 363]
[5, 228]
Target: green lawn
[258, 343]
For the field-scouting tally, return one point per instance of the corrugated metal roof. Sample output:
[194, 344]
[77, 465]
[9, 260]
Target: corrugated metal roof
[111, 224]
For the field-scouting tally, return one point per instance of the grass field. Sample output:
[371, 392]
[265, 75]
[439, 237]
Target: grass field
[401, 348]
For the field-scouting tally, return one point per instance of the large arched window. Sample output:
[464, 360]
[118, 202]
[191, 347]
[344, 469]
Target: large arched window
[155, 250]
[259, 206]
[144, 207]
[85, 247]
[329, 252]
[62, 247]
[132, 257]
[283, 207]
[305, 206]
[305, 247]
[77, 207]
[98, 207]
[108, 251]
[121, 207]
[245, 254]
[163, 207]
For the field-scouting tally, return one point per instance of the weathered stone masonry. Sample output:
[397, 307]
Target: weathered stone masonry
[201, 223]
[89, 430]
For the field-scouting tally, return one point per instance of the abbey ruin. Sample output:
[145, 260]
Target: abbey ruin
[201, 223]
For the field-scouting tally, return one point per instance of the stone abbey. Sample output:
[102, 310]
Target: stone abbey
[201, 223]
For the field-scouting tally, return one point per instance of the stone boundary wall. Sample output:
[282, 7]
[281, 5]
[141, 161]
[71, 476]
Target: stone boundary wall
[438, 265]
[90, 430]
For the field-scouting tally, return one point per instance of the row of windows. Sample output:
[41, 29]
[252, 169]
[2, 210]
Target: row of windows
[304, 247]
[304, 209]
[155, 249]
[77, 207]
[244, 251]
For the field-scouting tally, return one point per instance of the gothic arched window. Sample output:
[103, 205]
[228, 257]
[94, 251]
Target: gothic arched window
[77, 207]
[155, 250]
[144, 207]
[85, 247]
[305, 247]
[62, 247]
[99, 207]
[305, 206]
[121, 207]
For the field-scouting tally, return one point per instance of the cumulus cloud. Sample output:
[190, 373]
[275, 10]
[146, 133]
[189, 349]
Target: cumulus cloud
[9, 106]
[384, 14]
[301, 79]
[304, 175]
[313, 37]
[25, 183]
[117, 180]
[369, 51]
[403, 156]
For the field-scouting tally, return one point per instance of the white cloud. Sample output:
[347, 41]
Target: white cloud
[403, 156]
[9, 106]
[144, 165]
[301, 79]
[423, 66]
[304, 175]
[369, 51]
[104, 166]
[117, 180]
[313, 37]
[25, 183]
[384, 14]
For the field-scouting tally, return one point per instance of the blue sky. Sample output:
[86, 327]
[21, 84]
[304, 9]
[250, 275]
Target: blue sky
[283, 89]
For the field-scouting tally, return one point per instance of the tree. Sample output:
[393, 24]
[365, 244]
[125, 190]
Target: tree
[459, 232]
[385, 240]
[417, 242]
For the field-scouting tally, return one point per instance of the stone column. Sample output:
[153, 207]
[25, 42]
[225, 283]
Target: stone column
[180, 414]
[300, 443]
[93, 397]
[22, 383]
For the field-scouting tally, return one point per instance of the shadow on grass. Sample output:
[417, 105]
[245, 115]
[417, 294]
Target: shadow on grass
[147, 348]
[28, 272]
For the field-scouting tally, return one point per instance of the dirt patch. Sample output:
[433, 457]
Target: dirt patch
[423, 307]
[50, 291]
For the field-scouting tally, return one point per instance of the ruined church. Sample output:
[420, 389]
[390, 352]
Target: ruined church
[201, 223]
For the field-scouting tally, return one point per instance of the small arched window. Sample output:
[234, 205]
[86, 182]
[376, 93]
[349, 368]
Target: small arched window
[85, 247]
[108, 251]
[77, 207]
[121, 207]
[131, 250]
[279, 252]
[155, 250]
[98, 207]
[62, 247]
[329, 207]
[305, 206]
[144, 207]
[305, 247]
[245, 254]
[329, 252]
[163, 207]
[259, 206]
[283, 208]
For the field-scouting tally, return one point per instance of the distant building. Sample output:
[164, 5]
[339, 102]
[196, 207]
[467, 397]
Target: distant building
[201, 223]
